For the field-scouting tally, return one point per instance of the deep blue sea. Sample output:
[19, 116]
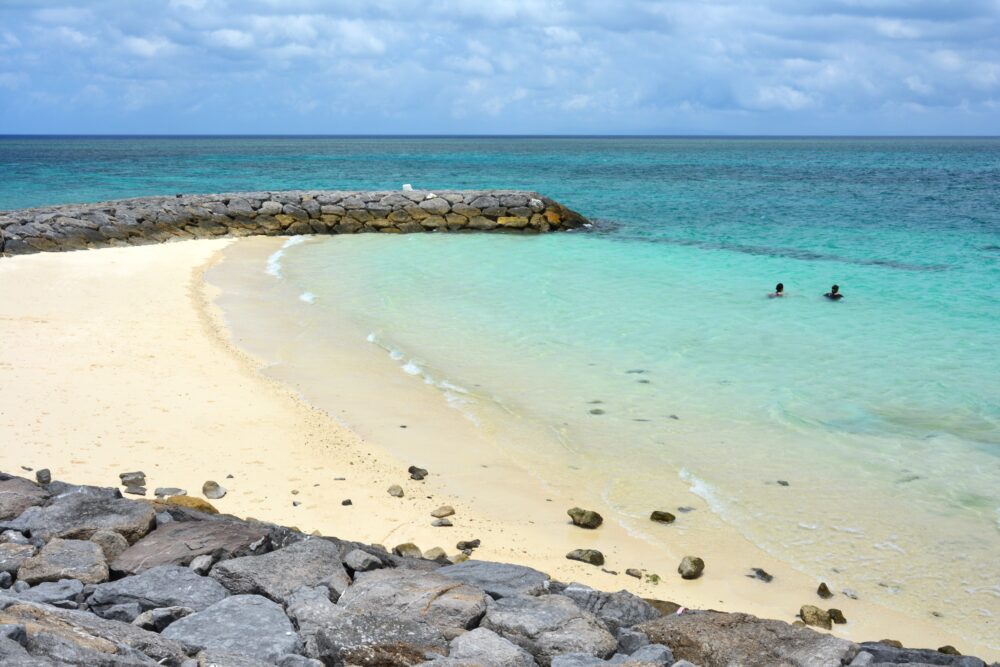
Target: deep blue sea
[649, 346]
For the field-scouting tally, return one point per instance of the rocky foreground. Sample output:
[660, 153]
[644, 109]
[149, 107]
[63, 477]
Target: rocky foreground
[88, 577]
[159, 219]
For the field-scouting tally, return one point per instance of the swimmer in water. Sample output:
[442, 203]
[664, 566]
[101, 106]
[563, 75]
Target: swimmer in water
[834, 294]
[779, 290]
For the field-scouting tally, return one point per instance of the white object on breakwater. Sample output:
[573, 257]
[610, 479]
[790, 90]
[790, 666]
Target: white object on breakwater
[407, 187]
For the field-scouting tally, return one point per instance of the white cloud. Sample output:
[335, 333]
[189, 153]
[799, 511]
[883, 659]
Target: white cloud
[917, 85]
[147, 47]
[780, 97]
[233, 39]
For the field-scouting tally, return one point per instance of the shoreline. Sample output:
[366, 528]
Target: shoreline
[272, 423]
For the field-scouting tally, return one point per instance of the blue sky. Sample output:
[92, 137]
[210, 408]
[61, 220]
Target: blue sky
[500, 66]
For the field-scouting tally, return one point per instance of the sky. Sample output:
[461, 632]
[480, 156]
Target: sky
[500, 67]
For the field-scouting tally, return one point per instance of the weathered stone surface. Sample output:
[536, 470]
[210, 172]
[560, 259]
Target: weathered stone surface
[547, 626]
[499, 580]
[408, 550]
[13, 554]
[630, 640]
[653, 655]
[450, 606]
[617, 610]
[585, 518]
[436, 206]
[17, 495]
[214, 490]
[59, 628]
[313, 562]
[112, 544]
[161, 586]
[377, 640]
[191, 502]
[242, 624]
[65, 559]
[715, 639]
[79, 515]
[178, 543]
[157, 619]
[443, 511]
[64, 594]
[362, 561]
[485, 647]
[311, 610]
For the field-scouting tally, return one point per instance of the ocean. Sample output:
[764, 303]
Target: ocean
[858, 440]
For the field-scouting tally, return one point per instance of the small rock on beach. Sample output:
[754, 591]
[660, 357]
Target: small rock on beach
[417, 473]
[589, 556]
[443, 511]
[585, 518]
[213, 490]
[812, 615]
[396, 491]
[824, 591]
[691, 567]
[661, 516]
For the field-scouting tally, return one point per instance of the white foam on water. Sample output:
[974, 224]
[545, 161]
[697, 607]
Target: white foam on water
[703, 490]
[273, 266]
[307, 297]
[455, 396]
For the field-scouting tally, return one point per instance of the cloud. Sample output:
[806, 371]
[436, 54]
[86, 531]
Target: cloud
[509, 66]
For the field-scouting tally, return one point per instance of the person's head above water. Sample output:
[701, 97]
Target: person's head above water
[835, 289]
[834, 293]
[779, 288]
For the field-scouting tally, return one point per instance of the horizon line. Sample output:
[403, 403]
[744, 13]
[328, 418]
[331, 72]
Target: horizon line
[499, 136]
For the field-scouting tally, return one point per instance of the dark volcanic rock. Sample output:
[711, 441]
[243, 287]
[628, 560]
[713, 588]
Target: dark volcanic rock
[242, 624]
[450, 606]
[417, 473]
[362, 561]
[79, 515]
[313, 562]
[65, 559]
[617, 610]
[377, 640]
[661, 516]
[824, 591]
[585, 518]
[157, 619]
[17, 495]
[500, 580]
[548, 625]
[178, 543]
[715, 639]
[161, 586]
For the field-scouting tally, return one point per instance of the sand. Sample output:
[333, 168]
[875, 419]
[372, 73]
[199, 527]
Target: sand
[119, 359]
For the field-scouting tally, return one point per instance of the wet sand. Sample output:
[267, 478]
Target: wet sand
[121, 359]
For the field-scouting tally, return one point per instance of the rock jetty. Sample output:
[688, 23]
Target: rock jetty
[88, 577]
[157, 219]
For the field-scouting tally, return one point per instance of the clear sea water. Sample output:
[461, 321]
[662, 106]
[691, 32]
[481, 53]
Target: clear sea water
[648, 347]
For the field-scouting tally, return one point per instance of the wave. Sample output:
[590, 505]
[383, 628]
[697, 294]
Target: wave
[455, 396]
[273, 266]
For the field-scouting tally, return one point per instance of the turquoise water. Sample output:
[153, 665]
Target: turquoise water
[649, 349]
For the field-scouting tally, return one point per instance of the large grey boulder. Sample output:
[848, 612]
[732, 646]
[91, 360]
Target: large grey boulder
[49, 630]
[13, 654]
[485, 647]
[617, 610]
[65, 559]
[650, 654]
[242, 624]
[884, 653]
[311, 610]
[716, 639]
[64, 594]
[313, 562]
[80, 515]
[180, 542]
[18, 494]
[500, 580]
[161, 586]
[375, 640]
[451, 606]
[12, 555]
[549, 625]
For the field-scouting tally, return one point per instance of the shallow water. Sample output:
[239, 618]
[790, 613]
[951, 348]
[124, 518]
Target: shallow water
[649, 351]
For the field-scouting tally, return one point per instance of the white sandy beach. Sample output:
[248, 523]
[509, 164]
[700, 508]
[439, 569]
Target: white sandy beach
[116, 360]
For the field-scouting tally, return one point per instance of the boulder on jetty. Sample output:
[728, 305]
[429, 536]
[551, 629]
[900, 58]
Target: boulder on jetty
[205, 589]
[157, 219]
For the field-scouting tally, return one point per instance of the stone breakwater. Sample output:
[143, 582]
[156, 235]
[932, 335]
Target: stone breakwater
[88, 577]
[158, 219]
